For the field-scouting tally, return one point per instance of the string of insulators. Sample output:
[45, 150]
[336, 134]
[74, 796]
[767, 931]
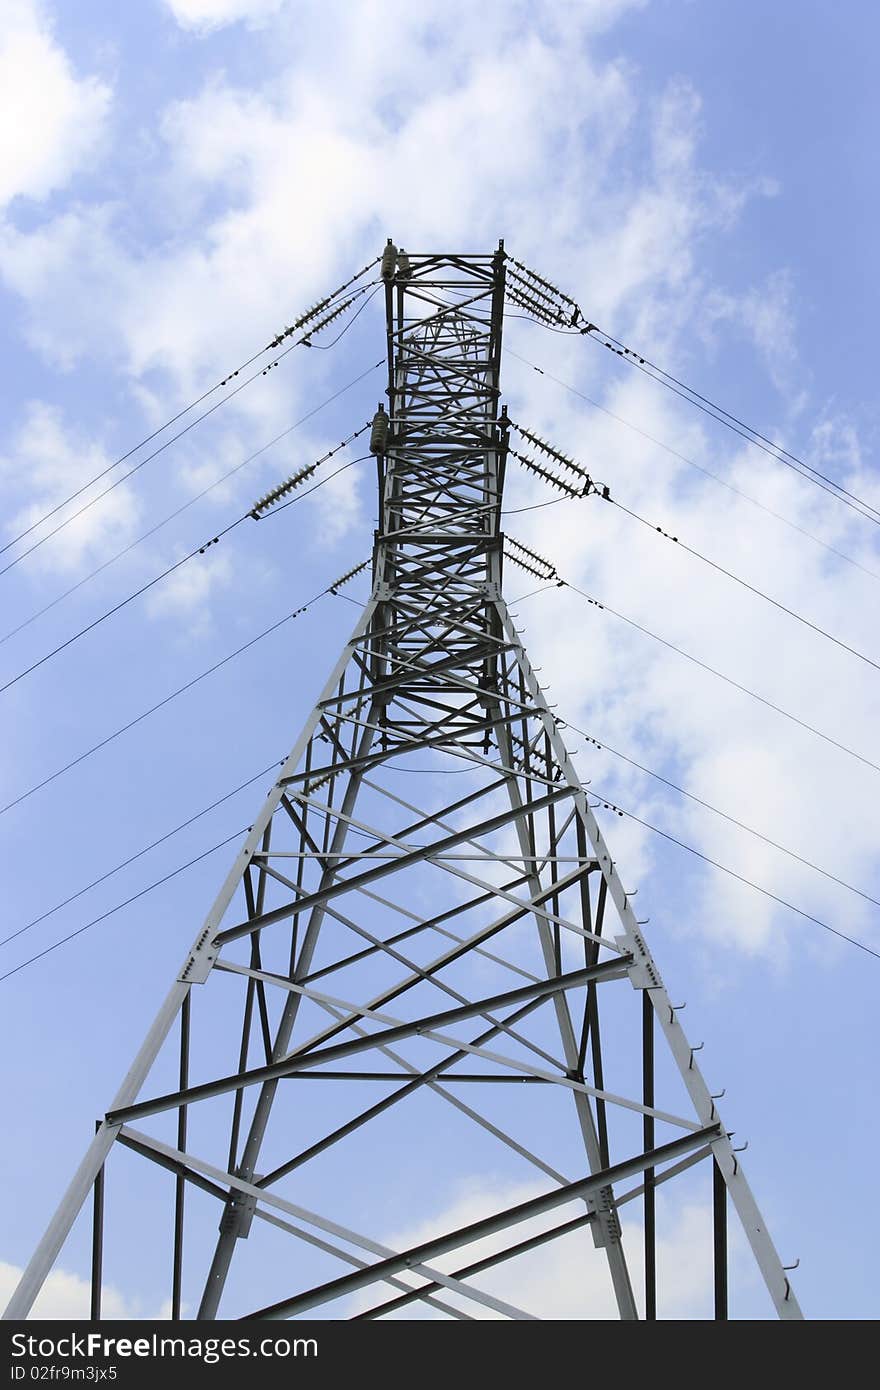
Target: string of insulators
[549, 449]
[576, 320]
[321, 304]
[557, 455]
[561, 483]
[537, 310]
[548, 285]
[529, 559]
[588, 486]
[283, 489]
[315, 783]
[389, 261]
[301, 321]
[531, 290]
[534, 309]
[305, 340]
[529, 569]
[341, 308]
[529, 755]
[379, 431]
[295, 479]
[349, 574]
[395, 264]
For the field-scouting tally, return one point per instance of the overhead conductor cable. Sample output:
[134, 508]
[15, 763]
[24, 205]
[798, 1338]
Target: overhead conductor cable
[304, 341]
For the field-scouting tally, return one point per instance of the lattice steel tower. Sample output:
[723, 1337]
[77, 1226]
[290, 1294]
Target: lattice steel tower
[407, 980]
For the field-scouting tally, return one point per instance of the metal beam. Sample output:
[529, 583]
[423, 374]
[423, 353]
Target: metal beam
[479, 1230]
[275, 1071]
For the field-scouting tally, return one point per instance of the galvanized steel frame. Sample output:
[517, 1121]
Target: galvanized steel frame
[435, 667]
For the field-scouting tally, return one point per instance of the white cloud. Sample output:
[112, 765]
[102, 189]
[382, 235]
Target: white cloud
[767, 315]
[53, 120]
[567, 1279]
[305, 177]
[46, 462]
[66, 1296]
[205, 15]
[337, 502]
[186, 592]
[647, 702]
[475, 122]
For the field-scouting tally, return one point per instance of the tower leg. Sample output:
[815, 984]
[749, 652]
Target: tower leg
[606, 1226]
[235, 1214]
[646, 975]
[84, 1178]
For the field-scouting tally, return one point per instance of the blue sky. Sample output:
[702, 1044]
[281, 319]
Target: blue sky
[177, 182]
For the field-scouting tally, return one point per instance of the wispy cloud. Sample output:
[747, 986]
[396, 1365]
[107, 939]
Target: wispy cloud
[67, 1297]
[54, 121]
[206, 15]
[46, 461]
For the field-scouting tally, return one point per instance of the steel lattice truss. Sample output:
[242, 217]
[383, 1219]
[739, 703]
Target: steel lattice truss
[409, 978]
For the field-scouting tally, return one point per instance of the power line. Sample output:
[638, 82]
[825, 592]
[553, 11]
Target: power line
[139, 855]
[587, 487]
[325, 347]
[154, 844]
[533, 507]
[172, 516]
[192, 405]
[728, 680]
[752, 588]
[198, 550]
[563, 723]
[559, 312]
[601, 745]
[783, 902]
[691, 463]
[162, 447]
[328, 479]
[691, 796]
[157, 883]
[145, 714]
[732, 820]
[609, 805]
[732, 422]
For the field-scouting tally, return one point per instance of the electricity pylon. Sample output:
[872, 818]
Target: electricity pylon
[404, 980]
